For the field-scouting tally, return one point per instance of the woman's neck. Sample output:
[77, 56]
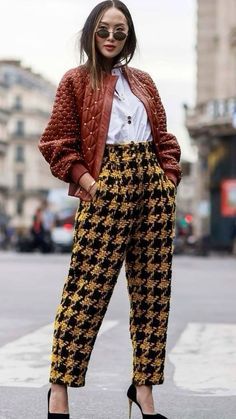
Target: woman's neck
[108, 65]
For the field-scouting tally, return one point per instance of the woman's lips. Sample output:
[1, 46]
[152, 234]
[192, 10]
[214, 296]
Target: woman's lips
[109, 47]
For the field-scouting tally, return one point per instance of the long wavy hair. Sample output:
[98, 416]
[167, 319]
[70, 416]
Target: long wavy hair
[96, 63]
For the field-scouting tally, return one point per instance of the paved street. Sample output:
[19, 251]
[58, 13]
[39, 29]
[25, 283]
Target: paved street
[200, 374]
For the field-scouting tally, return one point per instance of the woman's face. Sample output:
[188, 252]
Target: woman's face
[113, 20]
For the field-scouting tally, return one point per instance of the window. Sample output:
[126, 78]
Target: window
[18, 103]
[19, 181]
[233, 37]
[19, 128]
[19, 206]
[19, 153]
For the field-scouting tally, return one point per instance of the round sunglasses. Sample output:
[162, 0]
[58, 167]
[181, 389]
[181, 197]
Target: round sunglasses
[118, 36]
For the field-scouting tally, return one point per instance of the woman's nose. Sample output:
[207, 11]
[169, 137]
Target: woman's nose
[111, 37]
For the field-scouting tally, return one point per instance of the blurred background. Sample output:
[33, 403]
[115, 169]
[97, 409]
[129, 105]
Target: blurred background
[188, 47]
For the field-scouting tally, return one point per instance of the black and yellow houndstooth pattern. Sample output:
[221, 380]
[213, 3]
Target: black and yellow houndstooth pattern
[130, 218]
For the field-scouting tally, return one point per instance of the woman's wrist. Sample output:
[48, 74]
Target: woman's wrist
[87, 182]
[91, 186]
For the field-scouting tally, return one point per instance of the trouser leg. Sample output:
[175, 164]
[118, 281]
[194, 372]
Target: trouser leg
[148, 270]
[101, 231]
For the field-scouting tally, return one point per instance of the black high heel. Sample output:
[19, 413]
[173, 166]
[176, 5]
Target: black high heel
[56, 415]
[132, 396]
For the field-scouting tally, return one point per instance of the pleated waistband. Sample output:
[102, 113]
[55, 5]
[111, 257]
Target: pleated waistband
[131, 149]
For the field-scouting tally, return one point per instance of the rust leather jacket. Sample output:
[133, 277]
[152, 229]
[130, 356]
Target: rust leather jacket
[74, 139]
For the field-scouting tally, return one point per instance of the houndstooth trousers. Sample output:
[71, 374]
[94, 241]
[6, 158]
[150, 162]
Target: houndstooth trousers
[130, 219]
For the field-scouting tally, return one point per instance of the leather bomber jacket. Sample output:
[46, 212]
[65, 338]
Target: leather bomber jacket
[74, 139]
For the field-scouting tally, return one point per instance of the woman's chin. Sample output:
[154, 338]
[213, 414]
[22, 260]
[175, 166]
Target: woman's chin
[109, 55]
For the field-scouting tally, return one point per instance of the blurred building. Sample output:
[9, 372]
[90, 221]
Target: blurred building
[26, 102]
[185, 195]
[4, 114]
[212, 123]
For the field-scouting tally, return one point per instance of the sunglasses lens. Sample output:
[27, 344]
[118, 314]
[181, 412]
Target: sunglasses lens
[103, 33]
[119, 36]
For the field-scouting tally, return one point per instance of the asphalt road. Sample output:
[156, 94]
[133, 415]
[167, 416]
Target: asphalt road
[200, 375]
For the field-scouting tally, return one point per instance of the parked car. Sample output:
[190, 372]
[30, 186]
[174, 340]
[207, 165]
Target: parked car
[62, 238]
[62, 233]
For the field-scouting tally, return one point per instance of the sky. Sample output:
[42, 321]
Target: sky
[43, 34]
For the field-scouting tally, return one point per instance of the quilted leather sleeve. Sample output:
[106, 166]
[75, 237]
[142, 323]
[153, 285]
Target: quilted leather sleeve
[59, 143]
[169, 149]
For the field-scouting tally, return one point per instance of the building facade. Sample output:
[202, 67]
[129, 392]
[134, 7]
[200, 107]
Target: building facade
[212, 123]
[4, 114]
[26, 177]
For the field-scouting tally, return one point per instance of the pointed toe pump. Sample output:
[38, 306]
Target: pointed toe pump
[56, 415]
[132, 396]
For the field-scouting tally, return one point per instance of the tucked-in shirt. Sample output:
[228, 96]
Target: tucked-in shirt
[129, 120]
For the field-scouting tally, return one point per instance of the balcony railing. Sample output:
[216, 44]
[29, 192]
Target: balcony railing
[29, 111]
[15, 135]
[212, 114]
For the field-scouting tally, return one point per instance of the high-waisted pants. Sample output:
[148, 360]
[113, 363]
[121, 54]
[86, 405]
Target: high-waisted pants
[130, 219]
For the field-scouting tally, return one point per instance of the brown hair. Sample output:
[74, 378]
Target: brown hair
[95, 61]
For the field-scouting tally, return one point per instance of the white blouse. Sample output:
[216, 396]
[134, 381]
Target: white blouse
[129, 120]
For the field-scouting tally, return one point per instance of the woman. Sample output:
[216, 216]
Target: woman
[107, 137]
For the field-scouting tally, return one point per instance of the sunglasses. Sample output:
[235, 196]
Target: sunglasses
[118, 36]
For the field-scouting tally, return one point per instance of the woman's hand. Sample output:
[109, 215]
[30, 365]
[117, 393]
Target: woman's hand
[85, 182]
[93, 190]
